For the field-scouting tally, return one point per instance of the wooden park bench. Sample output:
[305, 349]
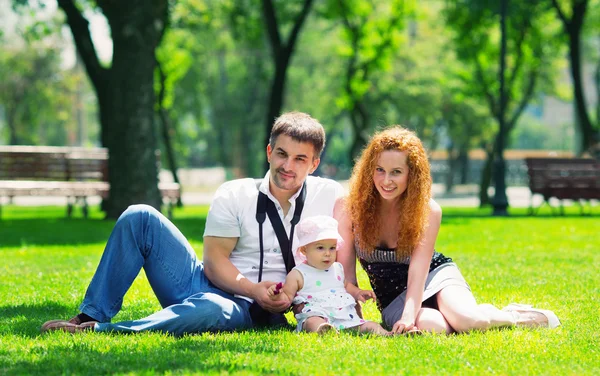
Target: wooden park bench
[72, 172]
[575, 179]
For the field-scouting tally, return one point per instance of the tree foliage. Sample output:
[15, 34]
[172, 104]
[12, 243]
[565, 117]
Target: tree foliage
[371, 31]
[38, 96]
[530, 61]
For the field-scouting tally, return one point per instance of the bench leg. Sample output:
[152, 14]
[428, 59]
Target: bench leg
[552, 209]
[530, 210]
[69, 209]
[562, 208]
[84, 209]
[170, 209]
[533, 210]
[582, 207]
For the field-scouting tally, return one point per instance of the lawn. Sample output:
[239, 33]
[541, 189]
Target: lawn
[552, 262]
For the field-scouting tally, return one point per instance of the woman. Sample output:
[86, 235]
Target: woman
[390, 223]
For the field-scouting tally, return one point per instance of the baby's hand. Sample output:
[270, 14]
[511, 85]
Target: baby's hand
[364, 295]
[275, 289]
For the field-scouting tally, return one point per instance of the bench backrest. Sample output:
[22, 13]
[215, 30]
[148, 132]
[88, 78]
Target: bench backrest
[53, 163]
[564, 177]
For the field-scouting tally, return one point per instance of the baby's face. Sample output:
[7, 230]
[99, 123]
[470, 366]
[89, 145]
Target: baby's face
[321, 254]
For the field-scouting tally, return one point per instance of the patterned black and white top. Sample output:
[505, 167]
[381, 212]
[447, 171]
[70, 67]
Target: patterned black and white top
[388, 273]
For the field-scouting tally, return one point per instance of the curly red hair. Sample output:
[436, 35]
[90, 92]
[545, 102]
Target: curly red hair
[363, 200]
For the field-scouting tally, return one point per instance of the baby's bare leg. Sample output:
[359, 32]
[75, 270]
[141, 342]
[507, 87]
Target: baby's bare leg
[317, 324]
[373, 327]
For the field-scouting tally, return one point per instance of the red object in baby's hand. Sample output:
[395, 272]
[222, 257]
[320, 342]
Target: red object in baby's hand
[278, 288]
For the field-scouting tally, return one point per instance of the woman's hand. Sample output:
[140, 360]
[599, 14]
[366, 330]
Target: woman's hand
[404, 325]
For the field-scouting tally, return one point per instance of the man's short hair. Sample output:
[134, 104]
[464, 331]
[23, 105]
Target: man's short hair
[300, 127]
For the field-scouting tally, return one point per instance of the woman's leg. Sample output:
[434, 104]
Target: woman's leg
[143, 237]
[458, 306]
[432, 320]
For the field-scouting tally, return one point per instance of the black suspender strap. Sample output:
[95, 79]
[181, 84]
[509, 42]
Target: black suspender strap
[261, 208]
[265, 205]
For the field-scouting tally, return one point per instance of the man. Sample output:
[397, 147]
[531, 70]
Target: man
[228, 290]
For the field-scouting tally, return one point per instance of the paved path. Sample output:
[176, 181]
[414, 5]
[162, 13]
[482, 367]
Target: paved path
[465, 196]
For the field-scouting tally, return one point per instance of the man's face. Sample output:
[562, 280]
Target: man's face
[291, 162]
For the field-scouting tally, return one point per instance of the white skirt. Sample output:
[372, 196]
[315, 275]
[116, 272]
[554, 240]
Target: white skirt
[439, 278]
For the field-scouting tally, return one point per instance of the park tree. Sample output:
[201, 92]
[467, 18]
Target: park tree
[314, 83]
[27, 77]
[371, 32]
[287, 15]
[36, 93]
[125, 93]
[219, 100]
[425, 91]
[506, 68]
[468, 124]
[412, 89]
[572, 14]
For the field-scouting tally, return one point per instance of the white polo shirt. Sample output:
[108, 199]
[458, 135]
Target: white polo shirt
[232, 214]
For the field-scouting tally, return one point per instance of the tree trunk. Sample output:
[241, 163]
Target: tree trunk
[167, 129]
[131, 138]
[11, 118]
[486, 179]
[276, 96]
[451, 162]
[573, 27]
[597, 78]
[360, 123]
[282, 53]
[583, 120]
[125, 95]
[463, 162]
[500, 201]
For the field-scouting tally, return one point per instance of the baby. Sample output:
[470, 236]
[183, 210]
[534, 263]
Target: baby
[319, 283]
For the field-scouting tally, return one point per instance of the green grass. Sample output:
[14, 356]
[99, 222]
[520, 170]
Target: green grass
[552, 262]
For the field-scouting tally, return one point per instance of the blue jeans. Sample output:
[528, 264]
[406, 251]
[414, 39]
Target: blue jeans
[144, 238]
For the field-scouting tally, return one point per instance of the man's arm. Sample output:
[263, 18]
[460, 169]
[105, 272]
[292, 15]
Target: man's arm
[223, 274]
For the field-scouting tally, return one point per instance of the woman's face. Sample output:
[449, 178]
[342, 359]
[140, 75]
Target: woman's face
[391, 174]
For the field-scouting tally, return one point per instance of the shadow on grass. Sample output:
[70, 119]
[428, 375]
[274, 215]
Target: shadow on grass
[26, 319]
[59, 353]
[61, 231]
[191, 354]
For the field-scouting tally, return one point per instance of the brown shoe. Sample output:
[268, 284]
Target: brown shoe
[67, 326]
[73, 320]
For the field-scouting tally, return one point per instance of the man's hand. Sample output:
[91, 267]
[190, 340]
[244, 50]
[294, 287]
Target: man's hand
[364, 295]
[260, 293]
